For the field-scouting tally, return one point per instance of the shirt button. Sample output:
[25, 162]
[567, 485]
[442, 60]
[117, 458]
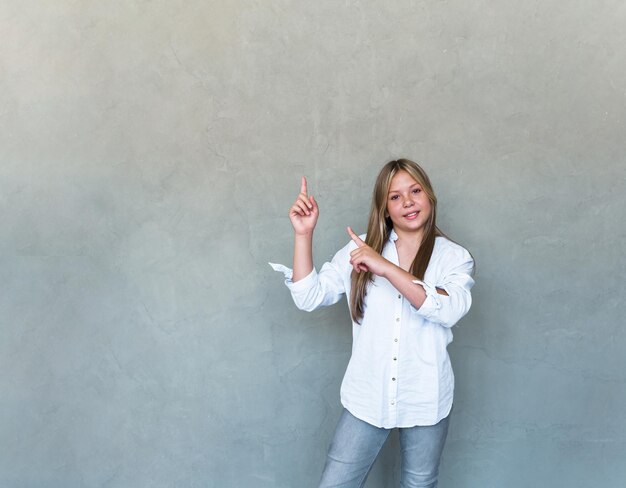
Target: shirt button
[392, 402]
[395, 340]
[395, 359]
[398, 319]
[399, 296]
[393, 379]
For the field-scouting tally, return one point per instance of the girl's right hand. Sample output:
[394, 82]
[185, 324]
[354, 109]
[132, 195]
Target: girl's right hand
[304, 212]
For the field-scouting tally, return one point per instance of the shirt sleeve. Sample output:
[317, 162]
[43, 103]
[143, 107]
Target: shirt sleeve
[457, 281]
[319, 289]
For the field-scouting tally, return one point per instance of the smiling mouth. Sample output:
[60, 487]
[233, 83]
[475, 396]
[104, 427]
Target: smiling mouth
[411, 215]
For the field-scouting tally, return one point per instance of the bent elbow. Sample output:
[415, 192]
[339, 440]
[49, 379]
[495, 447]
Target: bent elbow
[307, 302]
[305, 307]
[455, 314]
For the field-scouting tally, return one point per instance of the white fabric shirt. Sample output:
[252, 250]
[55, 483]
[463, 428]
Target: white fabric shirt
[399, 374]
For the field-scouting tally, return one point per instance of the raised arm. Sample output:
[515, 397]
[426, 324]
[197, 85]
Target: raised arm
[303, 215]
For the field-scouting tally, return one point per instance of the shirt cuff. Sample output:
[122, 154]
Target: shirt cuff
[300, 285]
[282, 269]
[432, 302]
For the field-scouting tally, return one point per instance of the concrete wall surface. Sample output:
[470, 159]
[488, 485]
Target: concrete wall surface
[149, 152]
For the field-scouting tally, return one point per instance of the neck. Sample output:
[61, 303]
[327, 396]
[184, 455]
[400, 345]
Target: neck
[410, 239]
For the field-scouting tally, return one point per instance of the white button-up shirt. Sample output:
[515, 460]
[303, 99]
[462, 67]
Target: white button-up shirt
[399, 374]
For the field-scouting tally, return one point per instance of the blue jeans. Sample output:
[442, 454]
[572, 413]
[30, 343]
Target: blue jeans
[356, 445]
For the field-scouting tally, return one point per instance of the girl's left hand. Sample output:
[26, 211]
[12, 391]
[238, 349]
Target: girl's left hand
[364, 258]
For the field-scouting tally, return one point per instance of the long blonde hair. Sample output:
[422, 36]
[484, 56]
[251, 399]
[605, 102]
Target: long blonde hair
[380, 226]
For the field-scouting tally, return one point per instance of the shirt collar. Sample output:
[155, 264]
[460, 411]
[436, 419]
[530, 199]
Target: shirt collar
[393, 236]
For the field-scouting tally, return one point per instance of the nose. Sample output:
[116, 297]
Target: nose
[408, 203]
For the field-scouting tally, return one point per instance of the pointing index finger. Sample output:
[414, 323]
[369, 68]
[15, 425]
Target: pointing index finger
[303, 186]
[359, 242]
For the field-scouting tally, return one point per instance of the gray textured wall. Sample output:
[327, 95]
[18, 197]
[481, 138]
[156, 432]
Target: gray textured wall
[149, 151]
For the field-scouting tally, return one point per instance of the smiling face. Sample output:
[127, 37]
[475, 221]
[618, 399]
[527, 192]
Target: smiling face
[408, 204]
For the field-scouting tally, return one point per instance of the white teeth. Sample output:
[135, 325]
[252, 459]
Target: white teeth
[411, 214]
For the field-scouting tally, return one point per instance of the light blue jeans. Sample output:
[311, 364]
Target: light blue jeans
[356, 445]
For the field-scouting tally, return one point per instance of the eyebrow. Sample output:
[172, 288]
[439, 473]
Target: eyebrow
[398, 191]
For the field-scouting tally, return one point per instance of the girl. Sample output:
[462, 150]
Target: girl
[407, 285]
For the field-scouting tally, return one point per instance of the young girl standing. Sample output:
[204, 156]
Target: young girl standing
[407, 285]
